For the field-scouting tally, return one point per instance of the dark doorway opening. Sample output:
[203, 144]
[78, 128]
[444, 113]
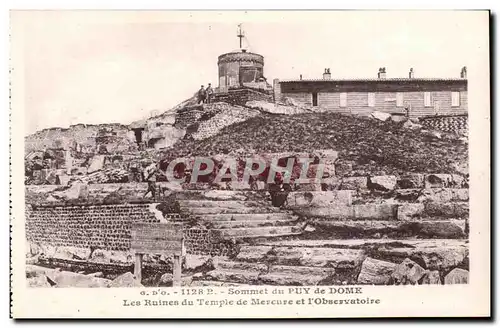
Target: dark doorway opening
[315, 98]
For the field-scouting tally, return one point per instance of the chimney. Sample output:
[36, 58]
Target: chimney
[326, 74]
[463, 73]
[301, 76]
[411, 74]
[381, 73]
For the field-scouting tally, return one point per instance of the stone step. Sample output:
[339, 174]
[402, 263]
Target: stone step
[354, 212]
[235, 276]
[296, 275]
[246, 217]
[294, 253]
[223, 210]
[250, 223]
[222, 203]
[221, 195]
[360, 243]
[319, 198]
[317, 257]
[344, 229]
[253, 253]
[244, 266]
[260, 232]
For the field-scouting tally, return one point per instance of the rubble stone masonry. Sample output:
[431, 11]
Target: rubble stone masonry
[104, 227]
[108, 227]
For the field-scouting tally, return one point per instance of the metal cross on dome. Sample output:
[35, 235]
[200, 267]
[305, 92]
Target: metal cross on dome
[240, 35]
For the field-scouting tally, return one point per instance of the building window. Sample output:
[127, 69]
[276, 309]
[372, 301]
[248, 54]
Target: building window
[455, 99]
[315, 98]
[399, 99]
[427, 99]
[371, 99]
[343, 99]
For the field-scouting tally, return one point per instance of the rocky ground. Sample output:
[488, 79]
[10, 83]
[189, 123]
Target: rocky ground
[365, 145]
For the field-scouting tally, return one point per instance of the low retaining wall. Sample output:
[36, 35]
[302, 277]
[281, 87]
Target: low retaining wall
[241, 96]
[103, 227]
[108, 227]
[455, 123]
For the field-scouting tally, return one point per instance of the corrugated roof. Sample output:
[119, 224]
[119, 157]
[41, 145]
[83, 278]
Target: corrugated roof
[376, 80]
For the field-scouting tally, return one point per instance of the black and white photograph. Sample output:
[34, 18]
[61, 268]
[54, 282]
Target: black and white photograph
[248, 154]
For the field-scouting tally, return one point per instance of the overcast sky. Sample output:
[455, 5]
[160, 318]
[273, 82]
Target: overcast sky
[91, 67]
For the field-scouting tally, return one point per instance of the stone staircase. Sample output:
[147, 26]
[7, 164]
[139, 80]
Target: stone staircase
[241, 219]
[339, 237]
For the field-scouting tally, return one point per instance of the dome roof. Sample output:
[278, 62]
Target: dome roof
[241, 55]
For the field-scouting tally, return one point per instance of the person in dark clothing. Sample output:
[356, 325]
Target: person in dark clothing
[201, 95]
[150, 175]
[209, 92]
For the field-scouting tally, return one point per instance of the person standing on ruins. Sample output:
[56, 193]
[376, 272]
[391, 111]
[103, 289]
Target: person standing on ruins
[151, 175]
[209, 92]
[201, 95]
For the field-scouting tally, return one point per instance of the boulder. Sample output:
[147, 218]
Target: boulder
[442, 195]
[166, 280]
[433, 254]
[105, 256]
[71, 253]
[96, 164]
[51, 177]
[354, 183]
[446, 210]
[407, 212]
[457, 276]
[33, 249]
[76, 191]
[126, 280]
[382, 182]
[62, 279]
[196, 262]
[253, 253]
[431, 278]
[376, 272]
[343, 168]
[444, 181]
[331, 183]
[407, 195]
[407, 272]
[38, 281]
[410, 125]
[319, 198]
[381, 116]
[411, 181]
[441, 229]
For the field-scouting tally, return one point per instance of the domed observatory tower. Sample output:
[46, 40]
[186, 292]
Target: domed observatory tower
[241, 68]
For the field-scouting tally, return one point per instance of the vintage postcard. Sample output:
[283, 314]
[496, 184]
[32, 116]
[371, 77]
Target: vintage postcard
[250, 164]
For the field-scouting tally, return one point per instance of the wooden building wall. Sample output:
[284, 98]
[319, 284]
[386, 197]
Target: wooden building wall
[385, 101]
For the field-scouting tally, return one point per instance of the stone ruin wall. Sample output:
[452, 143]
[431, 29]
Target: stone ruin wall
[107, 227]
